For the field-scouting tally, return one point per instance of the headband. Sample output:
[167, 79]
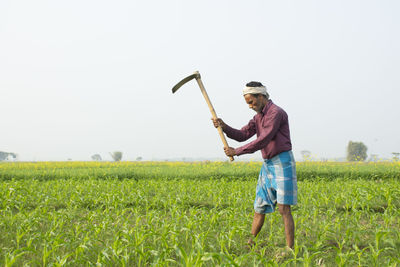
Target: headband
[255, 90]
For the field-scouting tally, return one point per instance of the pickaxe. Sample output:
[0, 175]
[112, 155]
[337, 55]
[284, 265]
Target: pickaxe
[197, 76]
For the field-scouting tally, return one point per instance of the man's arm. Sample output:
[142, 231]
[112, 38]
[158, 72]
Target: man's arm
[270, 126]
[239, 135]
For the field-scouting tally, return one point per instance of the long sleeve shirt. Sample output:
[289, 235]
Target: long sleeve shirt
[272, 129]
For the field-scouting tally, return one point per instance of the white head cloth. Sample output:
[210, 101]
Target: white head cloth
[255, 90]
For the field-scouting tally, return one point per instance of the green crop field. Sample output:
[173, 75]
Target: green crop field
[193, 214]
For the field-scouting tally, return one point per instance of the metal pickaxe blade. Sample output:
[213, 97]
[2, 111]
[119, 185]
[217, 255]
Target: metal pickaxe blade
[197, 76]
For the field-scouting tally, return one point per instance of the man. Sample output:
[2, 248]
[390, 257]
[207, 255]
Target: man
[277, 182]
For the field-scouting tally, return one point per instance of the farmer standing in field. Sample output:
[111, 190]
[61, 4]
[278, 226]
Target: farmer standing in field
[277, 182]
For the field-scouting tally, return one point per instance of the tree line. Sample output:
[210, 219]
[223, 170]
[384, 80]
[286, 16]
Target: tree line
[355, 151]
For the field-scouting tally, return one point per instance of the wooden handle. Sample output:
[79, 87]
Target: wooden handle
[210, 106]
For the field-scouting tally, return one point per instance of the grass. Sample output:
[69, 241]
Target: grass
[193, 214]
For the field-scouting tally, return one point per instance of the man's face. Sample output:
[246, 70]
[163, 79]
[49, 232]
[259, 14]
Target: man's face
[255, 103]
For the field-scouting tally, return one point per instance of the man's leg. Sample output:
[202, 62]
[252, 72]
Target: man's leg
[258, 222]
[286, 213]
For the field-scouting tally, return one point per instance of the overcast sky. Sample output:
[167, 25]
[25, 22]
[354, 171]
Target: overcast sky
[84, 77]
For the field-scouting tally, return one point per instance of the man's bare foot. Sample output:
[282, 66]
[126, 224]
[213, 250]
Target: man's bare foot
[251, 243]
[284, 253]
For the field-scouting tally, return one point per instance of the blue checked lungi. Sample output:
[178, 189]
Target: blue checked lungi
[277, 183]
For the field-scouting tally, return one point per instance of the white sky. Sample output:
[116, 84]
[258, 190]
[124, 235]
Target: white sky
[85, 77]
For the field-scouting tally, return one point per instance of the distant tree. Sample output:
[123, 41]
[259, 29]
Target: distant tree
[356, 151]
[138, 158]
[396, 156]
[6, 155]
[116, 155]
[3, 155]
[96, 157]
[306, 155]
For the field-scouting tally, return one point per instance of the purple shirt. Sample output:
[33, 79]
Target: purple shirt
[272, 129]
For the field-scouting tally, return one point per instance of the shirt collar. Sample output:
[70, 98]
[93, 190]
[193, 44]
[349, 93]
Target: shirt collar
[265, 109]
